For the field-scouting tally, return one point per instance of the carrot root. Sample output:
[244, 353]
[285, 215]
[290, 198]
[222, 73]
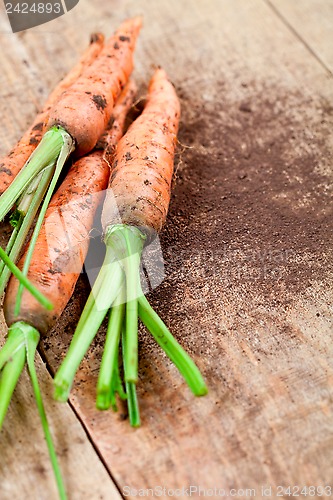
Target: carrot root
[24, 281]
[11, 164]
[47, 162]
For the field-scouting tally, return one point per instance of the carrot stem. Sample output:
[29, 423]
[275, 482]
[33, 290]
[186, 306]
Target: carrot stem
[46, 153]
[20, 347]
[133, 241]
[170, 346]
[99, 302]
[28, 189]
[119, 273]
[133, 404]
[132, 399]
[108, 380]
[31, 345]
[66, 149]
[10, 245]
[12, 360]
[23, 222]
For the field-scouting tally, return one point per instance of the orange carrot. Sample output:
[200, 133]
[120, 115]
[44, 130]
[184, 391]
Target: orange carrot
[85, 108]
[11, 164]
[59, 249]
[63, 241]
[143, 165]
[134, 210]
[75, 123]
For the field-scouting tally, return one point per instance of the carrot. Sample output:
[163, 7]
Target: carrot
[134, 211]
[61, 248]
[76, 121]
[11, 164]
[82, 112]
[63, 241]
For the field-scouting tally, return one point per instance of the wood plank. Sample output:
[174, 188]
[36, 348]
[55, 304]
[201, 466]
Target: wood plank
[247, 254]
[25, 469]
[247, 251]
[312, 20]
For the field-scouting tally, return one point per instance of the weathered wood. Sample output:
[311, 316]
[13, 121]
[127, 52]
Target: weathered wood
[312, 21]
[247, 249]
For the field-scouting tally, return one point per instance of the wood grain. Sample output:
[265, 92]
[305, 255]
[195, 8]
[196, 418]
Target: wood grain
[248, 290]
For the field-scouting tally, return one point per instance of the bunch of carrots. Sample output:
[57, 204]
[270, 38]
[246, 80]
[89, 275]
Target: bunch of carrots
[84, 119]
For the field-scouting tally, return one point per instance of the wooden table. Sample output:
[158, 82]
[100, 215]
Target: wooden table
[248, 258]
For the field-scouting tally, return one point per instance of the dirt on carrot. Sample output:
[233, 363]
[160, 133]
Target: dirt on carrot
[11, 164]
[94, 94]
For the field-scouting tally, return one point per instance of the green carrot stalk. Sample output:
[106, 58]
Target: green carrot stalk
[132, 398]
[45, 154]
[24, 280]
[109, 382]
[123, 255]
[65, 151]
[172, 349]
[97, 307]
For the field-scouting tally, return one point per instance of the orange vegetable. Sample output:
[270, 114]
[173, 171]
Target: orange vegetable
[63, 241]
[134, 210]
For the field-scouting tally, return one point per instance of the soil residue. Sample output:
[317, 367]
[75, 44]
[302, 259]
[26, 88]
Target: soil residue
[250, 195]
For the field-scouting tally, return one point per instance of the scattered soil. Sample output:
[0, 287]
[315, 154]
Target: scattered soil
[253, 190]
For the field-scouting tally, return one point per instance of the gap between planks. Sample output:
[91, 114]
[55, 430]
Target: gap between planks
[296, 33]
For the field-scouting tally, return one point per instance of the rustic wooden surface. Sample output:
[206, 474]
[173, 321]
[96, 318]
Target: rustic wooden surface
[247, 248]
